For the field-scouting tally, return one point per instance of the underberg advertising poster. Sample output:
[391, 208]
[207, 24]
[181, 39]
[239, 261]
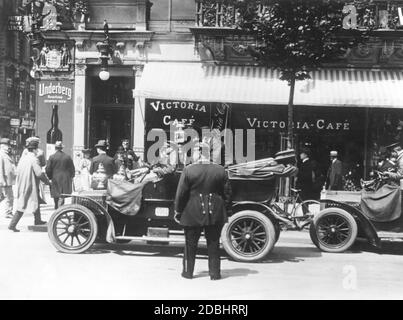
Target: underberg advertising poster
[55, 114]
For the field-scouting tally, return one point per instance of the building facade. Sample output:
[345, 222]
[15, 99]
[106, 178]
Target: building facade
[17, 87]
[180, 61]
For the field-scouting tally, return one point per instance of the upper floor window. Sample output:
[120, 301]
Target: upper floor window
[212, 13]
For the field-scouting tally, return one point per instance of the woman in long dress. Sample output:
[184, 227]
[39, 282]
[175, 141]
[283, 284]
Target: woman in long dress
[84, 170]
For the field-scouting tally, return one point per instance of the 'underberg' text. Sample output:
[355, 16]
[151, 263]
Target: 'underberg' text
[319, 124]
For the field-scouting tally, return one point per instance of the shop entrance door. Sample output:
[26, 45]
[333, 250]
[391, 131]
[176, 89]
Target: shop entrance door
[111, 123]
[110, 116]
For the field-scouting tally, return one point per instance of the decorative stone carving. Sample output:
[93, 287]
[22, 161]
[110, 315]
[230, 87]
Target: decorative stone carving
[80, 68]
[138, 69]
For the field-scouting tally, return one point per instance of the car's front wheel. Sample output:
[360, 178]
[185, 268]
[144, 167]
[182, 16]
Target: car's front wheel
[72, 228]
[333, 230]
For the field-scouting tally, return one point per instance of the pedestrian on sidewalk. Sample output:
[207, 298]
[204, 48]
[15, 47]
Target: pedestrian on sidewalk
[29, 174]
[40, 156]
[84, 179]
[7, 179]
[60, 170]
[203, 200]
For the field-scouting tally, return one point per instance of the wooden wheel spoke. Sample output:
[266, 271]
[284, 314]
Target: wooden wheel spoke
[65, 239]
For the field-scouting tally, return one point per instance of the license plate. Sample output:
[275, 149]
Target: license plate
[162, 212]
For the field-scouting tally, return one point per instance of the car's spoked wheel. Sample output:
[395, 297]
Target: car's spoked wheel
[72, 229]
[333, 230]
[248, 236]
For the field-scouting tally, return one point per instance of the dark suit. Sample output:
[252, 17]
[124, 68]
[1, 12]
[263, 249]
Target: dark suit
[305, 180]
[129, 158]
[60, 169]
[203, 201]
[107, 163]
[335, 176]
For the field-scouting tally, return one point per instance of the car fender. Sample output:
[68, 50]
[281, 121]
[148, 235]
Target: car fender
[262, 208]
[363, 222]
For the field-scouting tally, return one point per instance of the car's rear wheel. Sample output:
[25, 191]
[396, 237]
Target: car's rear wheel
[72, 228]
[333, 230]
[248, 236]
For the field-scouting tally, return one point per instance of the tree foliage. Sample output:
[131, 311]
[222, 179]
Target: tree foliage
[296, 36]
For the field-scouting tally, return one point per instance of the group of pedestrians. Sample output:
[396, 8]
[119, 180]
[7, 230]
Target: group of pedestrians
[309, 179]
[28, 179]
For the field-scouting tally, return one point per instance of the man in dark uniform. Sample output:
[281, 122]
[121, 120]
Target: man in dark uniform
[202, 202]
[60, 170]
[103, 158]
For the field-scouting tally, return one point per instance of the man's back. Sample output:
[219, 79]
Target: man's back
[106, 161]
[60, 164]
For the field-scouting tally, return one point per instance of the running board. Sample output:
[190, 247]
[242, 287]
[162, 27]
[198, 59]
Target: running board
[157, 239]
[390, 235]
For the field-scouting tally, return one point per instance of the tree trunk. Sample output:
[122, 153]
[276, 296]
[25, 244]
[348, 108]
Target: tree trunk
[290, 112]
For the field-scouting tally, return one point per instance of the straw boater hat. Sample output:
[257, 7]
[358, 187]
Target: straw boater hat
[333, 153]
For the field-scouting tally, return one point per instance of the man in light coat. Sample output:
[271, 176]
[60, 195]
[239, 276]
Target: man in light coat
[60, 170]
[29, 174]
[335, 173]
[7, 179]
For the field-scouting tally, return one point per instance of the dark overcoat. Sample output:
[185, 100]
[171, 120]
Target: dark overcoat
[305, 180]
[60, 169]
[203, 196]
[107, 162]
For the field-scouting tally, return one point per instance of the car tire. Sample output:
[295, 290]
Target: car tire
[333, 230]
[72, 228]
[248, 236]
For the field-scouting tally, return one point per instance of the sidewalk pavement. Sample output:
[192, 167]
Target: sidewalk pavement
[27, 221]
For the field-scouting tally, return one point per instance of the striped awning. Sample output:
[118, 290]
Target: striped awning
[257, 85]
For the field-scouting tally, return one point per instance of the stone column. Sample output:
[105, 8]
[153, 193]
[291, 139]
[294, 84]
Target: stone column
[139, 113]
[79, 110]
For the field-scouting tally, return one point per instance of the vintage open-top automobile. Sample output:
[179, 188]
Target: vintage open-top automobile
[249, 235]
[374, 215]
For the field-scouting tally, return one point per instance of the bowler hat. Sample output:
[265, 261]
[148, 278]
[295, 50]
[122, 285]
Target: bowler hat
[101, 144]
[5, 141]
[59, 145]
[33, 144]
[86, 151]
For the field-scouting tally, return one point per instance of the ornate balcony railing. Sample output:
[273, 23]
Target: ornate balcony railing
[376, 14]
